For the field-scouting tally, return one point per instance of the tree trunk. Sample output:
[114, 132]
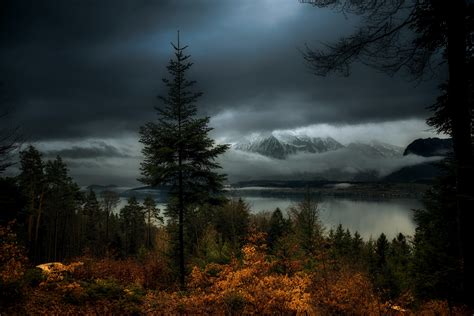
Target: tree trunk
[459, 108]
[181, 193]
[63, 252]
[149, 244]
[56, 236]
[38, 222]
[107, 225]
[181, 226]
[30, 218]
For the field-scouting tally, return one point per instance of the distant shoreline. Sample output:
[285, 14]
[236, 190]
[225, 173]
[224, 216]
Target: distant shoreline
[362, 190]
[296, 190]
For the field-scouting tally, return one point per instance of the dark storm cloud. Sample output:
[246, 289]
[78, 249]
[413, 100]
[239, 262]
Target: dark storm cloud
[96, 150]
[86, 67]
[93, 68]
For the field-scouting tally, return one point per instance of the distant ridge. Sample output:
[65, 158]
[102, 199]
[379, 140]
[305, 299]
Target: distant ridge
[99, 187]
[430, 147]
[423, 172]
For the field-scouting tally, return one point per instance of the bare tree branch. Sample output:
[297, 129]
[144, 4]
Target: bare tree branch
[392, 37]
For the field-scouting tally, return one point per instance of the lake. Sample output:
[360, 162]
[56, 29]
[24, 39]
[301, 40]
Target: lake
[370, 217]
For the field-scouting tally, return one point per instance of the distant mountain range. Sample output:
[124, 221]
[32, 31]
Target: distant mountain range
[285, 146]
[282, 145]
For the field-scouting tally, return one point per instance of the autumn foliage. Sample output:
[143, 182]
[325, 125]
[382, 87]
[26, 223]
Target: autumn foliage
[12, 257]
[250, 284]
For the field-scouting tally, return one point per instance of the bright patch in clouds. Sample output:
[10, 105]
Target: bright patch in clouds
[398, 133]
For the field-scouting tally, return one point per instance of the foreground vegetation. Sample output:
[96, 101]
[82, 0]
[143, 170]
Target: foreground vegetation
[261, 278]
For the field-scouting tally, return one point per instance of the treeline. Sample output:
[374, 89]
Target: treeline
[56, 221]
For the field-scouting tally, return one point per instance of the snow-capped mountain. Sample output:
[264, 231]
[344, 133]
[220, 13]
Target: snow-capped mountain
[294, 156]
[280, 146]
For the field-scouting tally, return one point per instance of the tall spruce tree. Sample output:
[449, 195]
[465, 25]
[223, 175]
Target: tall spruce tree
[178, 151]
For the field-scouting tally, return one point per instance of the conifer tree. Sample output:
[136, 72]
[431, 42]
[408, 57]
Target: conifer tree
[109, 201]
[132, 219]
[307, 224]
[92, 217]
[357, 246]
[61, 203]
[152, 213]
[32, 182]
[232, 222]
[278, 227]
[178, 152]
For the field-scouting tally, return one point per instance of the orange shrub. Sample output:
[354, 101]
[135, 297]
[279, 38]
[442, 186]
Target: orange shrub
[344, 291]
[152, 272]
[12, 256]
[248, 287]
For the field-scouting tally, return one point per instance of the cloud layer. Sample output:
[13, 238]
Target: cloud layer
[80, 78]
[332, 165]
[85, 69]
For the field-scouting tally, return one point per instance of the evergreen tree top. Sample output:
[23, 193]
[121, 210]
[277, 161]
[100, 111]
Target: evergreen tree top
[177, 145]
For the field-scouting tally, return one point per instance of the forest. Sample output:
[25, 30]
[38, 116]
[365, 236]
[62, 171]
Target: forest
[71, 250]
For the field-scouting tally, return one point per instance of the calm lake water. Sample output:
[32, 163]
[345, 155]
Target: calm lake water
[369, 217]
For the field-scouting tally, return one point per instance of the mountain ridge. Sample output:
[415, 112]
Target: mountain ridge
[429, 147]
[282, 145]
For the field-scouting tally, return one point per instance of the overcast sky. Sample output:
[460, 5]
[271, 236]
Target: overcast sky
[82, 76]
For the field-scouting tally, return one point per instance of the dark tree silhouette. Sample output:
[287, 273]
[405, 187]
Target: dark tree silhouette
[412, 35]
[32, 181]
[152, 214]
[109, 201]
[132, 220]
[177, 149]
